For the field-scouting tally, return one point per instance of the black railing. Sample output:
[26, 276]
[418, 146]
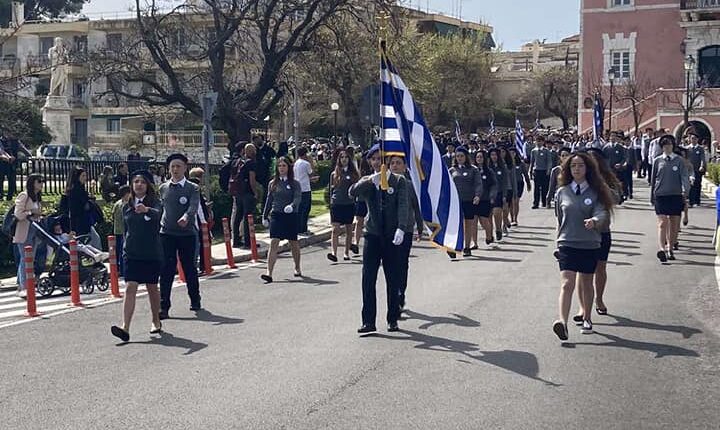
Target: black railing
[56, 172]
[699, 4]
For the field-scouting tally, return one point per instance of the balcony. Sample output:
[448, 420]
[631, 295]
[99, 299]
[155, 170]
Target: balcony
[699, 10]
[699, 4]
[170, 139]
[38, 63]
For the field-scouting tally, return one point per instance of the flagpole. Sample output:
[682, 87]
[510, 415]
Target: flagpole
[383, 20]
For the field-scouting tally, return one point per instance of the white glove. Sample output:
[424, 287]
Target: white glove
[265, 223]
[399, 237]
[375, 177]
[288, 209]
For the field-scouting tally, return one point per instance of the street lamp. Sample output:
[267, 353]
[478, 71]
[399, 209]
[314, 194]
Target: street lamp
[335, 108]
[267, 126]
[689, 67]
[611, 78]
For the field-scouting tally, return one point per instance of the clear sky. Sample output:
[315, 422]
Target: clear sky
[515, 21]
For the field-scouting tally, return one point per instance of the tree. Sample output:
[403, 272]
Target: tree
[552, 91]
[634, 91]
[39, 9]
[23, 119]
[238, 48]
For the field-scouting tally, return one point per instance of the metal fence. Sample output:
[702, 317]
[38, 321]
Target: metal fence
[56, 172]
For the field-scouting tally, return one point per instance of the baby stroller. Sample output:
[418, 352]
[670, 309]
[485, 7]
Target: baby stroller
[93, 274]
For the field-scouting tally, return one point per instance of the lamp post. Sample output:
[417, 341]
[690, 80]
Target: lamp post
[611, 78]
[689, 67]
[335, 108]
[267, 126]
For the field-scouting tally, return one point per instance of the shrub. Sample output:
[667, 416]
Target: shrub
[323, 169]
[713, 173]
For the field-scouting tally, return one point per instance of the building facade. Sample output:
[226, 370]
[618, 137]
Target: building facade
[665, 61]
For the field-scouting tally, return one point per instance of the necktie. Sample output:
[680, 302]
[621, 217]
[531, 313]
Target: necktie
[667, 158]
[173, 185]
[577, 190]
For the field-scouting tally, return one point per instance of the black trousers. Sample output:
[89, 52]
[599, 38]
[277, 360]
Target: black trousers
[696, 189]
[304, 211]
[243, 206]
[403, 266]
[8, 170]
[628, 185]
[644, 168]
[541, 182]
[182, 248]
[377, 250]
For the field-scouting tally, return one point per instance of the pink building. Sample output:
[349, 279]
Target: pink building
[654, 47]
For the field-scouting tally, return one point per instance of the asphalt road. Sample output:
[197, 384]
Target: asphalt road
[476, 351]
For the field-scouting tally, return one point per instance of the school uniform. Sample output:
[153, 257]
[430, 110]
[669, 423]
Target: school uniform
[630, 164]
[179, 200]
[578, 247]
[469, 185]
[502, 180]
[605, 234]
[541, 163]
[142, 251]
[521, 175]
[342, 207]
[388, 211]
[670, 182]
[697, 157]
[489, 191]
[281, 193]
[552, 185]
[616, 154]
[415, 221]
[511, 185]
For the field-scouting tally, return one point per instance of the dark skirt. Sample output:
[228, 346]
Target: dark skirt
[484, 208]
[342, 214]
[605, 245]
[669, 205]
[520, 190]
[361, 209]
[577, 260]
[142, 271]
[469, 210]
[498, 200]
[284, 226]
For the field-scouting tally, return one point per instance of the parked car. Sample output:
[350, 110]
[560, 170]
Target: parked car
[57, 151]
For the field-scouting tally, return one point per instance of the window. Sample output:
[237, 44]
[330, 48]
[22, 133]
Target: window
[114, 42]
[616, 3]
[113, 125]
[45, 44]
[709, 66]
[620, 60]
[81, 44]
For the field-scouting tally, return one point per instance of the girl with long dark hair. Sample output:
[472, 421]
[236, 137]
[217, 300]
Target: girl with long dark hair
[342, 207]
[469, 187]
[78, 201]
[510, 188]
[522, 178]
[501, 174]
[487, 198]
[584, 204]
[28, 208]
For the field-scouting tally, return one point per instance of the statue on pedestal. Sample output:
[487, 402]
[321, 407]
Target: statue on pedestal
[58, 68]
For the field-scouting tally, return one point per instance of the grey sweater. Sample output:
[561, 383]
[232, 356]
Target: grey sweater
[339, 193]
[178, 200]
[552, 186]
[283, 194]
[502, 174]
[669, 177]
[490, 187]
[572, 210]
[467, 181]
[696, 155]
[387, 210]
[541, 159]
[142, 233]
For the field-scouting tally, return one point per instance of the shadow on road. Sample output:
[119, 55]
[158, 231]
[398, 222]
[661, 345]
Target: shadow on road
[629, 233]
[695, 263]
[519, 362]
[501, 249]
[307, 280]
[620, 263]
[625, 240]
[661, 350]
[686, 332]
[535, 245]
[536, 238]
[168, 339]
[207, 316]
[459, 320]
[500, 259]
[628, 253]
[532, 227]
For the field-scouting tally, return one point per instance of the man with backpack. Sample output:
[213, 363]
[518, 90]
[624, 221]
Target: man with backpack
[238, 177]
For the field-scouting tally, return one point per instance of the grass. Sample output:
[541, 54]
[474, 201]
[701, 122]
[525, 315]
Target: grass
[319, 207]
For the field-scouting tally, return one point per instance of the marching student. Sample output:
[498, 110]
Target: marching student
[682, 153]
[281, 215]
[541, 163]
[342, 207]
[178, 233]
[510, 187]
[600, 278]
[487, 198]
[123, 193]
[669, 186]
[415, 220]
[469, 187]
[522, 178]
[142, 253]
[552, 186]
[616, 156]
[583, 204]
[361, 209]
[384, 232]
[698, 159]
[501, 173]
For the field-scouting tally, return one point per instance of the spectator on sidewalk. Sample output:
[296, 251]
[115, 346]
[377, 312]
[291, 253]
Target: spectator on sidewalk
[204, 216]
[78, 201]
[28, 208]
[303, 170]
[122, 175]
[8, 166]
[245, 194]
[265, 155]
[119, 226]
[108, 189]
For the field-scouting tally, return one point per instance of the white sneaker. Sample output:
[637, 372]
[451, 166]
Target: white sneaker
[22, 294]
[586, 327]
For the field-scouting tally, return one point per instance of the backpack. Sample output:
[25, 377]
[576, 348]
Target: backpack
[9, 222]
[235, 184]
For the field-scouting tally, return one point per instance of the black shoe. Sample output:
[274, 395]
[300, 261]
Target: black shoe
[332, 257]
[366, 328]
[393, 326]
[630, 196]
[267, 278]
[560, 330]
[355, 249]
[164, 315]
[467, 252]
[535, 206]
[346, 258]
[120, 333]
[474, 247]
[498, 235]
[452, 255]
[676, 246]
[578, 319]
[662, 256]
[670, 255]
[196, 307]
[556, 254]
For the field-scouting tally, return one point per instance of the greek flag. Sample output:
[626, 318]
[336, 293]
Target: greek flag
[457, 132]
[405, 131]
[598, 119]
[519, 138]
[492, 124]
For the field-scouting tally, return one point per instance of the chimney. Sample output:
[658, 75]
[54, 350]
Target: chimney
[18, 14]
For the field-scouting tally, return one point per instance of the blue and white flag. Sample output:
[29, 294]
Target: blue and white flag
[404, 129]
[492, 124]
[598, 119]
[519, 139]
[457, 131]
[537, 123]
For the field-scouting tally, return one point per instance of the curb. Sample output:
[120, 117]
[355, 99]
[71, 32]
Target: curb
[321, 236]
[708, 188]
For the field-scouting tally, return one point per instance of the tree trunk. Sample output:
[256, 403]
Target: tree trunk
[565, 122]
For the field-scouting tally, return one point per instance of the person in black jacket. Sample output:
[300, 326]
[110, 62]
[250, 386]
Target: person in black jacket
[142, 251]
[12, 147]
[78, 201]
